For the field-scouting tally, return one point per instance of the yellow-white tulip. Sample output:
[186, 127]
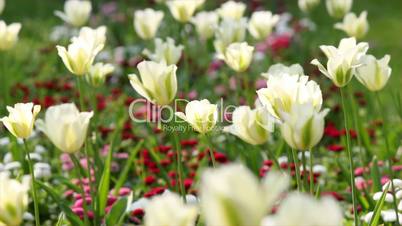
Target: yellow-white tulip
[354, 26]
[76, 12]
[158, 82]
[165, 52]
[201, 115]
[303, 127]
[95, 38]
[261, 24]
[146, 22]
[205, 23]
[308, 5]
[168, 209]
[338, 8]
[279, 69]
[228, 32]
[21, 119]
[182, 10]
[97, 73]
[78, 56]
[65, 126]
[238, 56]
[231, 195]
[373, 73]
[8, 35]
[13, 200]
[232, 10]
[252, 126]
[286, 90]
[2, 5]
[342, 61]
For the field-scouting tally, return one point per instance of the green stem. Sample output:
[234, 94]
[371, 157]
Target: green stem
[305, 181]
[91, 189]
[273, 158]
[352, 179]
[34, 194]
[297, 168]
[179, 165]
[210, 149]
[81, 185]
[311, 173]
[81, 91]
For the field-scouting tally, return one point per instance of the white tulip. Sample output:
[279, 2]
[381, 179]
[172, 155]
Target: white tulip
[76, 12]
[338, 8]
[261, 24]
[97, 73]
[279, 69]
[2, 5]
[373, 73]
[238, 56]
[252, 126]
[308, 5]
[354, 26]
[158, 82]
[146, 22]
[205, 24]
[201, 115]
[165, 52]
[21, 119]
[182, 10]
[342, 61]
[65, 126]
[8, 35]
[169, 210]
[95, 38]
[228, 32]
[232, 10]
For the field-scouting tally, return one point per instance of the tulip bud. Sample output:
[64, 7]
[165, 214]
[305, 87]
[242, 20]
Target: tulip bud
[13, 200]
[279, 69]
[97, 73]
[338, 8]
[65, 126]
[2, 5]
[201, 115]
[169, 209]
[146, 22]
[342, 61]
[21, 118]
[159, 82]
[373, 73]
[303, 127]
[8, 35]
[76, 12]
[205, 23]
[308, 5]
[252, 126]
[232, 10]
[238, 56]
[182, 10]
[165, 52]
[95, 38]
[228, 32]
[261, 24]
[354, 26]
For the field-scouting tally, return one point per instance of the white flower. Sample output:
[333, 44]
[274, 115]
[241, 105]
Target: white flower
[21, 119]
[261, 24]
[308, 5]
[238, 56]
[95, 38]
[205, 23]
[76, 12]
[97, 73]
[165, 52]
[42, 170]
[182, 10]
[228, 32]
[338, 8]
[354, 26]
[279, 69]
[8, 35]
[373, 73]
[201, 115]
[146, 22]
[65, 126]
[342, 61]
[232, 10]
[158, 82]
[2, 5]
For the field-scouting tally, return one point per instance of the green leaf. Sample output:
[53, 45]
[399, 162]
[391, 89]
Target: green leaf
[378, 207]
[117, 212]
[104, 184]
[375, 175]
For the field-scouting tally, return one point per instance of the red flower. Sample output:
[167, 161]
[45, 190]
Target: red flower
[335, 147]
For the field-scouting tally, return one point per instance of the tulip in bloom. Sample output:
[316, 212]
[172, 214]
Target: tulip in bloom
[252, 126]
[76, 12]
[21, 119]
[238, 56]
[95, 38]
[261, 24]
[159, 82]
[201, 115]
[354, 26]
[2, 5]
[373, 73]
[232, 10]
[97, 73]
[146, 22]
[342, 61]
[168, 209]
[338, 8]
[65, 126]
[205, 23]
[182, 10]
[308, 5]
[228, 32]
[8, 35]
[165, 52]
[13, 200]
[279, 69]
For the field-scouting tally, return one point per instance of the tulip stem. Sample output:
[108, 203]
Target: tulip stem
[305, 182]
[210, 149]
[297, 169]
[311, 173]
[179, 165]
[352, 179]
[81, 92]
[34, 194]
